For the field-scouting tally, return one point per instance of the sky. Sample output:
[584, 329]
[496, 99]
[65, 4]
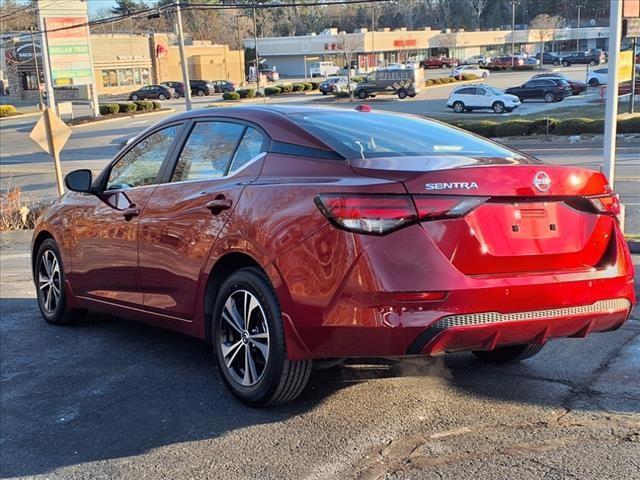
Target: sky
[96, 5]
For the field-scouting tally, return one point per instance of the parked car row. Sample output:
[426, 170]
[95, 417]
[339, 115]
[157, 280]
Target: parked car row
[167, 90]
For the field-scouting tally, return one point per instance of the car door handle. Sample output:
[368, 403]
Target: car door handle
[129, 213]
[219, 204]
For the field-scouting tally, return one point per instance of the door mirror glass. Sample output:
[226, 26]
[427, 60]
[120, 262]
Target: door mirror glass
[79, 180]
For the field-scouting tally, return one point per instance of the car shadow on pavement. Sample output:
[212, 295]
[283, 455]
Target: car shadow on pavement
[110, 388]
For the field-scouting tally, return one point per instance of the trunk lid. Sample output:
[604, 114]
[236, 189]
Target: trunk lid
[534, 217]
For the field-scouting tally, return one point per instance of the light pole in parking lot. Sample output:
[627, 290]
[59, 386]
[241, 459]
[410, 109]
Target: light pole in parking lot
[513, 32]
[183, 58]
[611, 103]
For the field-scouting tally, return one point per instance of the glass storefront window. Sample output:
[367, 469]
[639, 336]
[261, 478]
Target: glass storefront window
[113, 78]
[145, 76]
[136, 76]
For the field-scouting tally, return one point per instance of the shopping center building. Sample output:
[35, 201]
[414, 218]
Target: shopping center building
[289, 55]
[123, 62]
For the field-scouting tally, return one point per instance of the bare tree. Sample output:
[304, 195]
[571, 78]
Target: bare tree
[348, 44]
[543, 29]
[477, 7]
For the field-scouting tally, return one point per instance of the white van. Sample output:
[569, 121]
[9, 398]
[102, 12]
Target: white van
[323, 69]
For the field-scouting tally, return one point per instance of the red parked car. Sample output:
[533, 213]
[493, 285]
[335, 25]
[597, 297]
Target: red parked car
[439, 62]
[288, 235]
[506, 62]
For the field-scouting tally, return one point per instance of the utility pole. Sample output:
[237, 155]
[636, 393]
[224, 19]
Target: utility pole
[48, 79]
[373, 36]
[513, 33]
[578, 30]
[35, 59]
[611, 103]
[183, 57]
[632, 99]
[255, 39]
[240, 47]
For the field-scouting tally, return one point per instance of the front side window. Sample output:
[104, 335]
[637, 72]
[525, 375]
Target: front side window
[208, 151]
[140, 165]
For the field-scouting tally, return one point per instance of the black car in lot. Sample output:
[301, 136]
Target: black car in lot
[583, 58]
[223, 86]
[178, 88]
[201, 88]
[547, 89]
[327, 86]
[548, 58]
[155, 92]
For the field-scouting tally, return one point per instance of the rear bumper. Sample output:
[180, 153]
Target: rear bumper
[486, 331]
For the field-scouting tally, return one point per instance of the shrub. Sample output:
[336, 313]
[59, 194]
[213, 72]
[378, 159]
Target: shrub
[486, 128]
[285, 88]
[342, 94]
[231, 96]
[143, 105]
[246, 93]
[629, 125]
[357, 79]
[573, 126]
[7, 110]
[469, 76]
[315, 85]
[543, 126]
[596, 126]
[428, 83]
[307, 86]
[109, 109]
[298, 87]
[156, 105]
[17, 211]
[514, 128]
[127, 107]
[272, 90]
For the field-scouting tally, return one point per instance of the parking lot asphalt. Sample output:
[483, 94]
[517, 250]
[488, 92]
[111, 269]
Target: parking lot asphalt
[110, 398]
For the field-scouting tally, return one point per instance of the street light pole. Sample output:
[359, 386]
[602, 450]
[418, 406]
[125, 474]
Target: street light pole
[611, 103]
[240, 46]
[578, 30]
[373, 36]
[513, 32]
[183, 58]
[255, 39]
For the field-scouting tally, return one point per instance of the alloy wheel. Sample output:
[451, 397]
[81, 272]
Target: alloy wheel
[49, 284]
[244, 339]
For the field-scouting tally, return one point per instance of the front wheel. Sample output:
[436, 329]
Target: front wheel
[362, 94]
[549, 97]
[510, 354]
[458, 107]
[592, 63]
[402, 94]
[161, 97]
[134, 97]
[498, 107]
[248, 336]
[594, 82]
[201, 93]
[49, 278]
[566, 64]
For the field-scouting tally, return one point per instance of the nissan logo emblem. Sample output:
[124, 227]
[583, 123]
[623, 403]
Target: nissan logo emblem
[542, 181]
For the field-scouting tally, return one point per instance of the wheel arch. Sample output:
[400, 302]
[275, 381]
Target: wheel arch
[35, 245]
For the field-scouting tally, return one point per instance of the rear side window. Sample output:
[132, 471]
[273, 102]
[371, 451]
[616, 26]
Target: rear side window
[208, 151]
[465, 91]
[251, 145]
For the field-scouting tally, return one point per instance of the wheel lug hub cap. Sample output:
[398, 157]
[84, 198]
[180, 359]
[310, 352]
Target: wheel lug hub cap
[245, 337]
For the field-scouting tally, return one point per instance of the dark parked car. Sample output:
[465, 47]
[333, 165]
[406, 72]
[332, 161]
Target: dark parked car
[439, 62]
[576, 87]
[327, 86]
[583, 58]
[178, 88]
[547, 89]
[506, 62]
[201, 88]
[286, 236]
[223, 86]
[155, 92]
[549, 58]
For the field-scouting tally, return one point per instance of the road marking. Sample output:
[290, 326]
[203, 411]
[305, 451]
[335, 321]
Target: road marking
[141, 122]
[15, 255]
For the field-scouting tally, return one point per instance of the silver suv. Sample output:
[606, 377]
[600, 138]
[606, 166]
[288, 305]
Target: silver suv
[476, 97]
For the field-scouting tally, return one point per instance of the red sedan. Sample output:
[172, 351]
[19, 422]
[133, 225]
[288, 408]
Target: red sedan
[438, 62]
[288, 235]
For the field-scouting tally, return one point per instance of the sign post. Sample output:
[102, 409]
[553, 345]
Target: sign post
[51, 134]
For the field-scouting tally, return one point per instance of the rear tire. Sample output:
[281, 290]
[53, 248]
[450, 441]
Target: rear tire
[201, 93]
[510, 354]
[592, 63]
[458, 107]
[248, 336]
[362, 94]
[594, 82]
[549, 97]
[50, 286]
[566, 64]
[498, 107]
[134, 97]
[402, 94]
[161, 97]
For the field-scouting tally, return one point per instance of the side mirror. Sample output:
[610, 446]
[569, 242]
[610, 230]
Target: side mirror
[79, 180]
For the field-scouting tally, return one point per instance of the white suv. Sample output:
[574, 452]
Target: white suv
[475, 97]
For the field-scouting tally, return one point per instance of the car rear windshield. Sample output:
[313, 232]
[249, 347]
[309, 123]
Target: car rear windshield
[374, 135]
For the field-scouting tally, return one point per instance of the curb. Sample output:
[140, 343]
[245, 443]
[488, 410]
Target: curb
[21, 115]
[123, 117]
[634, 246]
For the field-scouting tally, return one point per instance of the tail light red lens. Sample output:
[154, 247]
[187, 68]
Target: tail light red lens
[382, 214]
[608, 204]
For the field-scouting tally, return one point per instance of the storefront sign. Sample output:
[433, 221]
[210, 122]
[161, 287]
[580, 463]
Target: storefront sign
[69, 55]
[412, 42]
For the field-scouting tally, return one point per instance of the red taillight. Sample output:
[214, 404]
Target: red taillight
[382, 214]
[607, 204]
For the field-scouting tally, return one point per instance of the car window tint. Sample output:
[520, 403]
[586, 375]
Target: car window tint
[208, 151]
[140, 165]
[252, 144]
